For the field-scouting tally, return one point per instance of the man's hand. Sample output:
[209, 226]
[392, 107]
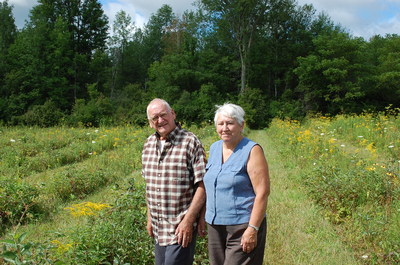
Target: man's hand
[149, 226]
[184, 232]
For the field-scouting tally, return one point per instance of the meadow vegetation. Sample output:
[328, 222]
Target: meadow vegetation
[350, 166]
[75, 195]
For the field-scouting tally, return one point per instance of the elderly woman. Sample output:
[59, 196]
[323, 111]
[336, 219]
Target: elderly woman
[237, 189]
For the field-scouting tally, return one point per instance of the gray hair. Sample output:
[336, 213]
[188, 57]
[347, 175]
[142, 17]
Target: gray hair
[162, 101]
[230, 110]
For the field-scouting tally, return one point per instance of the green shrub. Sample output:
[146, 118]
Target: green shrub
[45, 115]
[17, 251]
[254, 104]
[92, 113]
[115, 236]
[352, 172]
[17, 203]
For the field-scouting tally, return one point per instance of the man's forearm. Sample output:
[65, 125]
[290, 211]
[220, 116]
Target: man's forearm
[197, 204]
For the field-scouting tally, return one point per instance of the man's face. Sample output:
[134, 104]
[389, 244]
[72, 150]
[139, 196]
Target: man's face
[161, 119]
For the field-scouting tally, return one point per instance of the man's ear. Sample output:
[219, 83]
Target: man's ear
[151, 124]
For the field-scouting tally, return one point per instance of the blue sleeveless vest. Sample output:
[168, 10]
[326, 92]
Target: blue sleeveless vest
[230, 195]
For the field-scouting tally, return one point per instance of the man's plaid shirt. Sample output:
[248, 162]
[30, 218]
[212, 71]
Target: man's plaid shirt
[170, 180]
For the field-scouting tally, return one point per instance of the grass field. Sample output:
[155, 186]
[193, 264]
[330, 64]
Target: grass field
[75, 195]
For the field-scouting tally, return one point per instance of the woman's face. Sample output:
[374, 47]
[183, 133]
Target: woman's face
[228, 128]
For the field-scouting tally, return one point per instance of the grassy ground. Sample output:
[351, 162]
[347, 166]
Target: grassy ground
[62, 222]
[297, 231]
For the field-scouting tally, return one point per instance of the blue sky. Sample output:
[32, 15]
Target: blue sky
[362, 18]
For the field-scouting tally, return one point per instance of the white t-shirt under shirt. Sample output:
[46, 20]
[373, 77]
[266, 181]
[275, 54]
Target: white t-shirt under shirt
[161, 144]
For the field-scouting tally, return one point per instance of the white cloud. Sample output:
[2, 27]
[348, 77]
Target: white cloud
[363, 18]
[141, 10]
[393, 24]
[26, 3]
[112, 8]
[21, 10]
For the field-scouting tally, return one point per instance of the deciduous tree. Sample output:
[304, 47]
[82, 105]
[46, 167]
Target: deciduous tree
[239, 19]
[8, 31]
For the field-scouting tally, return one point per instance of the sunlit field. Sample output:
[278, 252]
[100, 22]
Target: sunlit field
[350, 166]
[76, 196]
[42, 168]
[48, 177]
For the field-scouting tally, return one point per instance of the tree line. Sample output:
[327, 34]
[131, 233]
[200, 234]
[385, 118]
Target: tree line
[276, 58]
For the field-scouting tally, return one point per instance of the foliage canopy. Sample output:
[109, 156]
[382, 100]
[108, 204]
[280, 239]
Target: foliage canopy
[275, 57]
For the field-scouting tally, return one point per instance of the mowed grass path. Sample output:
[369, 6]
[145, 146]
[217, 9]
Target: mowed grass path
[297, 230]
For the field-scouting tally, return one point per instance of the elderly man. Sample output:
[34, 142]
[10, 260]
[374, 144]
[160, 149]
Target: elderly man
[173, 165]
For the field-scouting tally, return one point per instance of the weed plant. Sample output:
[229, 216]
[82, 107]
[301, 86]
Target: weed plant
[45, 169]
[350, 166]
[89, 160]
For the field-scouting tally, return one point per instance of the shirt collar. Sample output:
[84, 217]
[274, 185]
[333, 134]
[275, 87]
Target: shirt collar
[172, 135]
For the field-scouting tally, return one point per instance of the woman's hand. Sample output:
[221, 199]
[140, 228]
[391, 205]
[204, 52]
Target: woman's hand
[201, 223]
[201, 227]
[249, 240]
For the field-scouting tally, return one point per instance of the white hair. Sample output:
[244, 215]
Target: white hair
[230, 110]
[162, 101]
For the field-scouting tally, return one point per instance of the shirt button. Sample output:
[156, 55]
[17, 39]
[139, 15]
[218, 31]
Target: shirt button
[159, 175]
[158, 189]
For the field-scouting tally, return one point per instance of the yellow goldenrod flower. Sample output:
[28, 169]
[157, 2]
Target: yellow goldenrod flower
[60, 247]
[370, 147]
[370, 168]
[307, 133]
[86, 208]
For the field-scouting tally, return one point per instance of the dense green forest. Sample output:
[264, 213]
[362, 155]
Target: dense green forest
[68, 66]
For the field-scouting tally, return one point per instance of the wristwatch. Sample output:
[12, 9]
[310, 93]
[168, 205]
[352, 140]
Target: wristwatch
[254, 227]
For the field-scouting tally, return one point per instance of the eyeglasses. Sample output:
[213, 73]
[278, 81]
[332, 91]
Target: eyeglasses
[161, 115]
